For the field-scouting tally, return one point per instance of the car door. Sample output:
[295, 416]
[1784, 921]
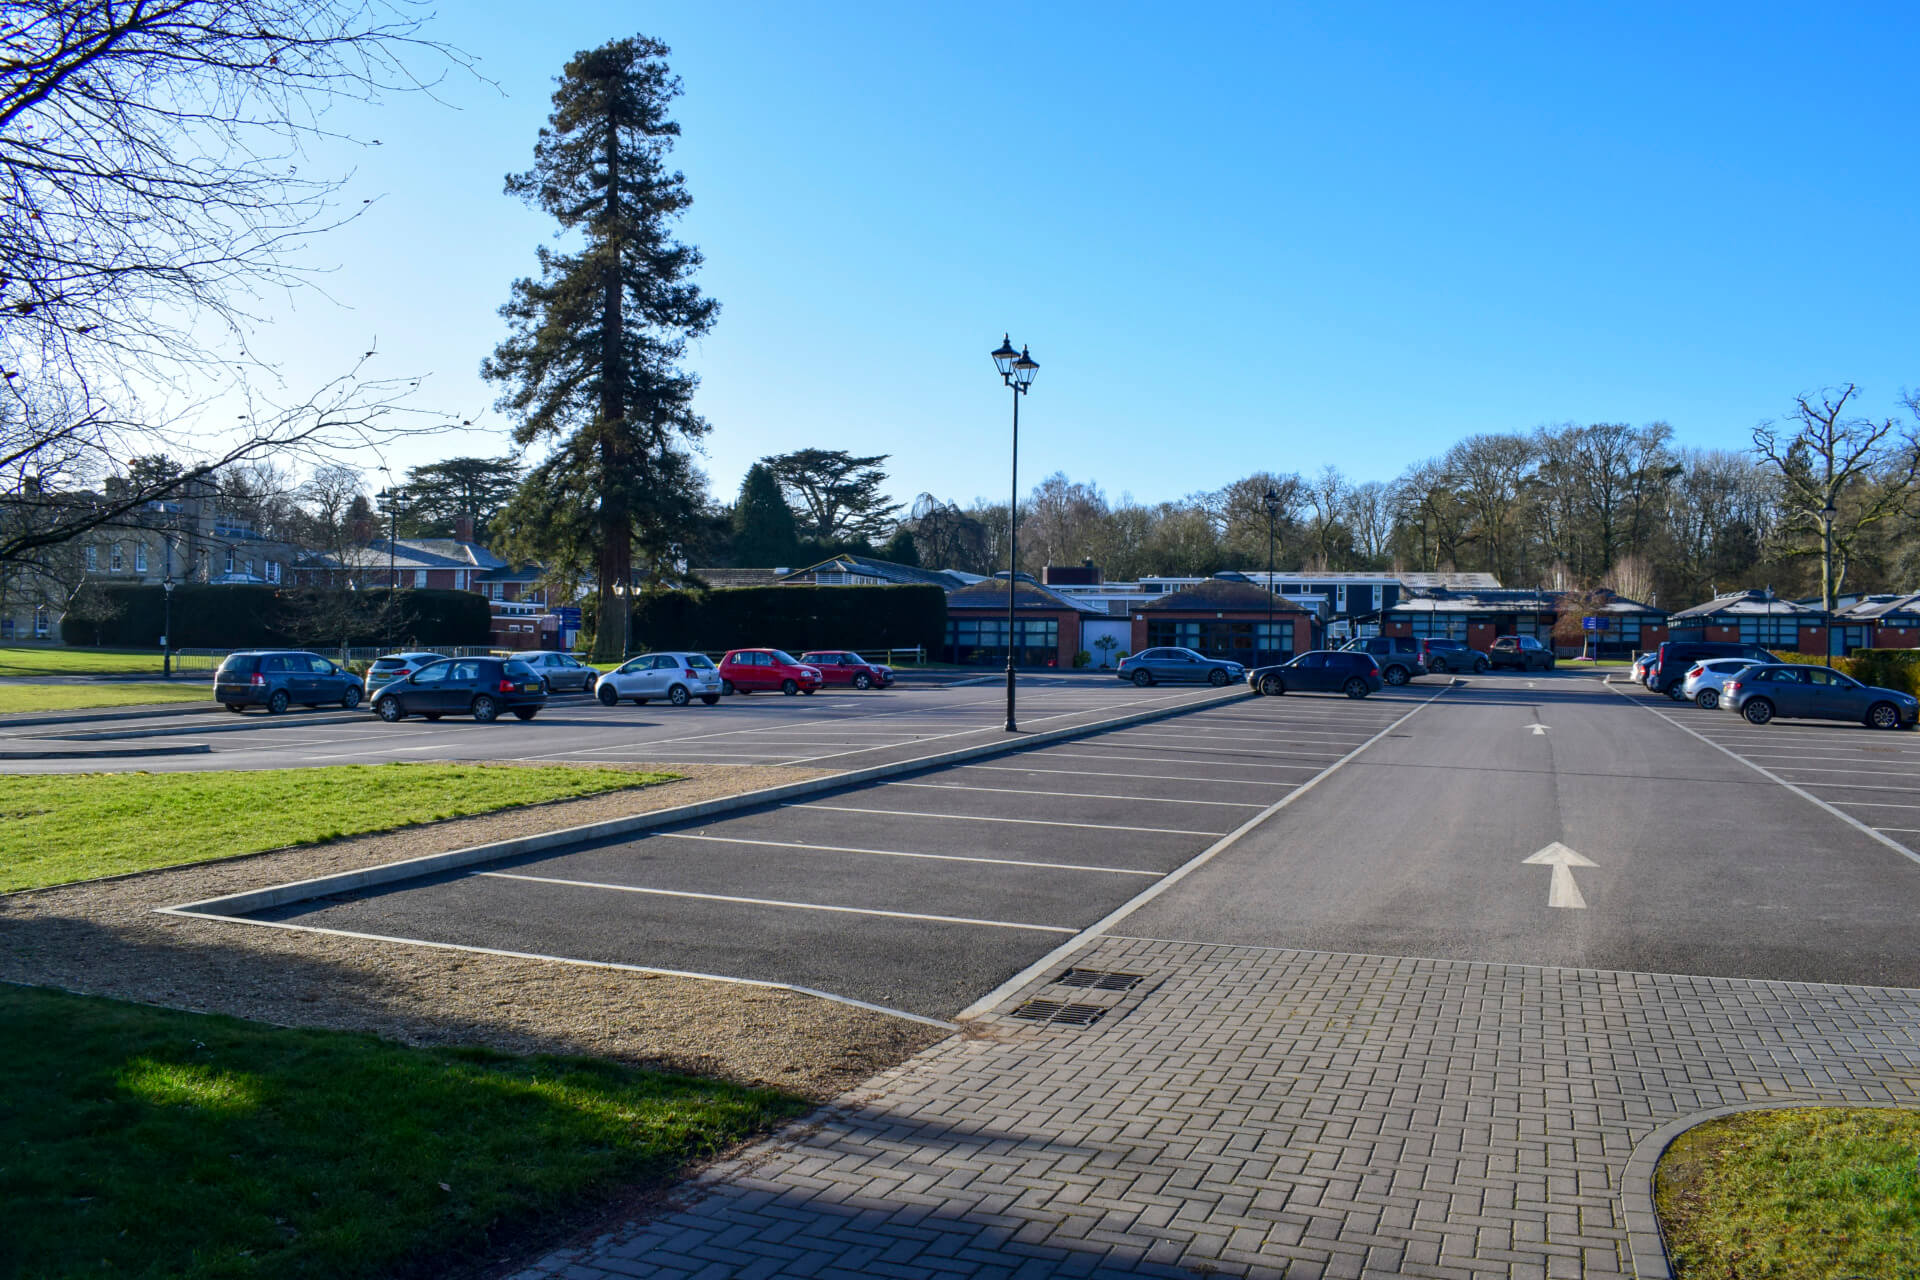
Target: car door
[329, 681]
[1787, 686]
[1308, 673]
[1831, 696]
[421, 692]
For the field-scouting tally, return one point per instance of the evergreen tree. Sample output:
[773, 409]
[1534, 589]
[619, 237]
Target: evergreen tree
[439, 493]
[901, 548]
[763, 529]
[591, 362]
[837, 493]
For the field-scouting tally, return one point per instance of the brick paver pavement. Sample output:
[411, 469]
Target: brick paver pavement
[1274, 1113]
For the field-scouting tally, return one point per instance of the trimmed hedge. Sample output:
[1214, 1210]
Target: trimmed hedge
[1897, 669]
[793, 618]
[248, 617]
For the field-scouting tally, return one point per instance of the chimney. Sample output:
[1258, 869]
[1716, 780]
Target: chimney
[463, 528]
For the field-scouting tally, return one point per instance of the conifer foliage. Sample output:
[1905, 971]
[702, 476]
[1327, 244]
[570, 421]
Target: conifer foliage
[591, 363]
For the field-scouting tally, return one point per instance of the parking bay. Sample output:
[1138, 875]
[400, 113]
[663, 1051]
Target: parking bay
[919, 893]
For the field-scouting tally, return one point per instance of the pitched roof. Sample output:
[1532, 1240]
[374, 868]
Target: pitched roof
[736, 577]
[414, 553]
[1751, 604]
[1027, 594]
[1220, 595]
[1505, 600]
[1879, 606]
[885, 570]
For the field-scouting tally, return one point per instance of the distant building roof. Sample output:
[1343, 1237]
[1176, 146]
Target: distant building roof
[412, 553]
[737, 577]
[880, 570]
[1868, 608]
[991, 593]
[1503, 600]
[1750, 604]
[1222, 595]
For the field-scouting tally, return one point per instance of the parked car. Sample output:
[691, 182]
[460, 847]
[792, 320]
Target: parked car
[1766, 692]
[479, 687]
[1398, 657]
[746, 670]
[1704, 682]
[562, 671]
[1673, 659]
[1442, 656]
[1175, 665]
[843, 666]
[1523, 652]
[1644, 664]
[277, 678]
[1347, 671]
[677, 677]
[396, 666]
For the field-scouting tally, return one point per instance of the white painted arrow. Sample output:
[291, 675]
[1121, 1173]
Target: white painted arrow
[1538, 729]
[1563, 892]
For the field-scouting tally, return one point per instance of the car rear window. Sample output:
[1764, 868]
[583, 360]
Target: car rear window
[699, 662]
[519, 671]
[388, 664]
[240, 666]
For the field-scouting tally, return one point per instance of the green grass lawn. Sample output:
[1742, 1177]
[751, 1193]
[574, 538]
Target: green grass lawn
[35, 660]
[146, 1142]
[80, 697]
[1821, 1193]
[60, 827]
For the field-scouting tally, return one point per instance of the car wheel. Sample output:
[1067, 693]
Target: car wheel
[389, 709]
[862, 681]
[1883, 715]
[1356, 688]
[608, 698]
[430, 715]
[1479, 666]
[726, 686]
[351, 698]
[526, 713]
[789, 687]
[1438, 666]
[1395, 676]
[811, 692]
[234, 707]
[1675, 692]
[590, 684]
[1272, 686]
[1142, 678]
[1707, 699]
[711, 699]
[679, 696]
[1757, 711]
[278, 702]
[1217, 678]
[485, 709]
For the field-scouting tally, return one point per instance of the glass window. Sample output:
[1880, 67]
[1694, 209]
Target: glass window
[93, 559]
[140, 558]
[665, 662]
[433, 673]
[419, 579]
[698, 661]
[464, 671]
[1441, 626]
[1770, 630]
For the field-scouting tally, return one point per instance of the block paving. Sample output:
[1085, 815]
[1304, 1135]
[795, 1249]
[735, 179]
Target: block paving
[1274, 1113]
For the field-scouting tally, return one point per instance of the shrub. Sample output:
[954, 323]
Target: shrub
[246, 616]
[1888, 668]
[1082, 659]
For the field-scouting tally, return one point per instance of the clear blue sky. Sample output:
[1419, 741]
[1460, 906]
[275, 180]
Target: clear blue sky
[1235, 237]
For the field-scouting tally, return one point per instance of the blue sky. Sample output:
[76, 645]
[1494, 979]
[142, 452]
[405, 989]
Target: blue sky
[1235, 237]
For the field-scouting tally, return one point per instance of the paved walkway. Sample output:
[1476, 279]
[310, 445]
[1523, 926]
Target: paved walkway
[1257, 1112]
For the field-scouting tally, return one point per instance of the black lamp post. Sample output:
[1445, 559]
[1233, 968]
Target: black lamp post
[1016, 370]
[1271, 501]
[1827, 513]
[390, 498]
[166, 623]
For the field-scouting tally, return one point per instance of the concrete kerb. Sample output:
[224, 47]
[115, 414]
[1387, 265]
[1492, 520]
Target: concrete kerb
[32, 720]
[436, 863]
[48, 751]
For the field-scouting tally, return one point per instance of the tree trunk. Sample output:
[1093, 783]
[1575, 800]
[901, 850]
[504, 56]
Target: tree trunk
[616, 520]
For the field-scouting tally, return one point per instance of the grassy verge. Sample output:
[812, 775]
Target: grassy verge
[1822, 1193]
[148, 1142]
[81, 697]
[60, 827]
[33, 660]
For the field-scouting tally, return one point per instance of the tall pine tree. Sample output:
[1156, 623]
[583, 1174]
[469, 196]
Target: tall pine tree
[592, 360]
[763, 528]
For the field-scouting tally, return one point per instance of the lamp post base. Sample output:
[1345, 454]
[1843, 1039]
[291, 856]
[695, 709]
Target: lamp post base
[1011, 726]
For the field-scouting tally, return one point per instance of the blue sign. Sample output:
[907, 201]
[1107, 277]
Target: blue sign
[569, 618]
[1596, 624]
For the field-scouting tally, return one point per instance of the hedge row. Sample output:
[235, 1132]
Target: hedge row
[1897, 669]
[793, 618]
[246, 617]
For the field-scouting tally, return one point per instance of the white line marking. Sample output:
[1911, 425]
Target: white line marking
[987, 1002]
[1158, 777]
[896, 853]
[773, 902]
[1080, 795]
[535, 955]
[1054, 753]
[1223, 751]
[1802, 792]
[1865, 786]
[970, 817]
[1857, 773]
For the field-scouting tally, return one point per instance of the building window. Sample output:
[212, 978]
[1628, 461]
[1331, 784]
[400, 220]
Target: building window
[1340, 598]
[229, 562]
[419, 579]
[1772, 631]
[1440, 626]
[832, 579]
[40, 623]
[140, 558]
[273, 571]
[93, 559]
[984, 641]
[1246, 642]
[115, 560]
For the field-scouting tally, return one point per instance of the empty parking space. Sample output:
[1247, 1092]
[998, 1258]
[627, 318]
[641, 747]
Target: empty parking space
[918, 893]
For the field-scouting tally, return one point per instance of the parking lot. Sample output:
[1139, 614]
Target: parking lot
[919, 893]
[832, 729]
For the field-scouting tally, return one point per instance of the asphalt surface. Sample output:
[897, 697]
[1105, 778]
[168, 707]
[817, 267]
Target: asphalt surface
[919, 893]
[835, 729]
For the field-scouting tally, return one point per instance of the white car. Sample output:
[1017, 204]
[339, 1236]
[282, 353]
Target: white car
[679, 678]
[1705, 680]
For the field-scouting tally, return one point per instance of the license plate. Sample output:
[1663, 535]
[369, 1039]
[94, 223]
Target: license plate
[529, 688]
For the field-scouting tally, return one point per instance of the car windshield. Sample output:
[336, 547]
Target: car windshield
[783, 658]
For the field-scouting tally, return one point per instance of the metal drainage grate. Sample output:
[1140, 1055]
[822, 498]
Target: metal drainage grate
[1100, 979]
[1056, 1012]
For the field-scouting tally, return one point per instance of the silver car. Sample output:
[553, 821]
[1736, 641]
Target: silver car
[679, 678]
[562, 672]
[386, 669]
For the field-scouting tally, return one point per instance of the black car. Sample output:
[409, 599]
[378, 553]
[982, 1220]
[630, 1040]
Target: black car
[479, 687]
[1523, 652]
[1398, 657]
[1673, 659]
[1345, 671]
[277, 678]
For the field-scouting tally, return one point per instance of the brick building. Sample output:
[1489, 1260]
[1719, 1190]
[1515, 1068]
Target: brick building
[1225, 617]
[1480, 617]
[1047, 625]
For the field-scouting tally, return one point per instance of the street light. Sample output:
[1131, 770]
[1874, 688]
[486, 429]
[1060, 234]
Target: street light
[390, 499]
[1016, 371]
[1271, 501]
[1827, 513]
[166, 624]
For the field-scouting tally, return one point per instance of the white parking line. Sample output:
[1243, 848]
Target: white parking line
[776, 902]
[1863, 786]
[1852, 773]
[1052, 753]
[897, 853]
[1223, 751]
[1081, 795]
[1277, 735]
[1157, 777]
[969, 817]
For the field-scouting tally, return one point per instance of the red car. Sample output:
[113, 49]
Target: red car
[746, 670]
[841, 666]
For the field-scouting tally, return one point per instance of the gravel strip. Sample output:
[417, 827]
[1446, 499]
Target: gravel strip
[104, 938]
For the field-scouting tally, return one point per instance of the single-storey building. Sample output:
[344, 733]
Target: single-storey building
[866, 571]
[1480, 617]
[1753, 617]
[1225, 618]
[1047, 625]
[1877, 622]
